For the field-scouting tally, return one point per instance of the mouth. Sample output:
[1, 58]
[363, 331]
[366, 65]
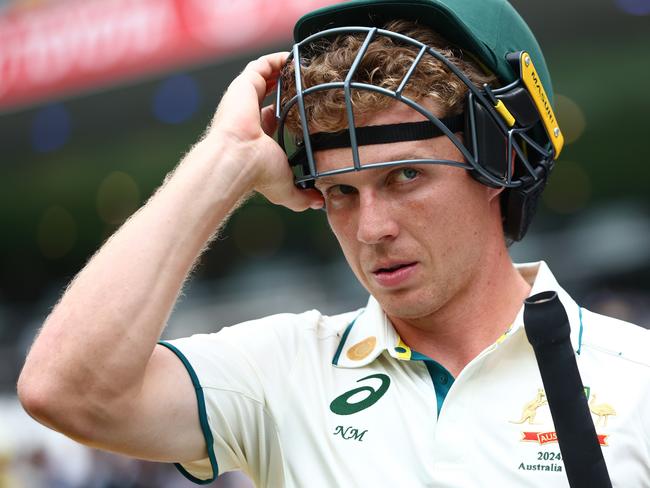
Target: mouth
[393, 274]
[391, 268]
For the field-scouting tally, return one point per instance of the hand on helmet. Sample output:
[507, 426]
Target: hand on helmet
[248, 129]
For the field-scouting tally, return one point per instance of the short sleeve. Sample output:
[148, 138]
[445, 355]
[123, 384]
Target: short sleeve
[233, 372]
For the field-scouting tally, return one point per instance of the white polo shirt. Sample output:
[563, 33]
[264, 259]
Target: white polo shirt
[310, 400]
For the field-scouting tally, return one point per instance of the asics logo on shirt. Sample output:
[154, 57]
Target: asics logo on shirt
[341, 405]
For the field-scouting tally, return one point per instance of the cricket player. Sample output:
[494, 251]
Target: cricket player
[425, 130]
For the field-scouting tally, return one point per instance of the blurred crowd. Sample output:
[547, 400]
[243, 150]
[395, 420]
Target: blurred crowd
[90, 468]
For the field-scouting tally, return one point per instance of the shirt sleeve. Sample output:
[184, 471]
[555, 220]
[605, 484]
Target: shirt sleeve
[234, 371]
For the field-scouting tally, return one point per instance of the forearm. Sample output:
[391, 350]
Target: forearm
[93, 372]
[99, 338]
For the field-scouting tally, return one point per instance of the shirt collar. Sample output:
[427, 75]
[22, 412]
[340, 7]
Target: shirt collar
[371, 333]
[541, 278]
[365, 338]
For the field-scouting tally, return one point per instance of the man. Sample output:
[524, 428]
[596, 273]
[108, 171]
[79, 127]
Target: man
[428, 149]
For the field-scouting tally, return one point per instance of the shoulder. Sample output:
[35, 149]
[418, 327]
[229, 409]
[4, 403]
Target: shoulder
[269, 343]
[288, 339]
[288, 327]
[616, 338]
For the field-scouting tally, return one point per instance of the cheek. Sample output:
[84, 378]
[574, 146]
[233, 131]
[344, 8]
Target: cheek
[345, 234]
[450, 211]
[430, 206]
[343, 228]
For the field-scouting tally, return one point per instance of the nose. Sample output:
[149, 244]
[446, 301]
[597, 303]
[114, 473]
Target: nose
[376, 222]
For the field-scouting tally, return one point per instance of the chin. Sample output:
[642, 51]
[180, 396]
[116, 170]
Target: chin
[408, 304]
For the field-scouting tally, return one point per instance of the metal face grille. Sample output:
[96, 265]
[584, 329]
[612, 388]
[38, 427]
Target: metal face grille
[526, 159]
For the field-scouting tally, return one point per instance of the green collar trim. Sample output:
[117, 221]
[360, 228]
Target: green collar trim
[203, 419]
[442, 381]
[346, 333]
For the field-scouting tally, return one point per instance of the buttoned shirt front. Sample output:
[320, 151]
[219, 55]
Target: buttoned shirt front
[310, 400]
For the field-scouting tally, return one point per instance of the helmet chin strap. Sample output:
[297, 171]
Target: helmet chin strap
[378, 134]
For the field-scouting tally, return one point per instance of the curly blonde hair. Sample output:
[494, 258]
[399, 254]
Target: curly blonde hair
[385, 64]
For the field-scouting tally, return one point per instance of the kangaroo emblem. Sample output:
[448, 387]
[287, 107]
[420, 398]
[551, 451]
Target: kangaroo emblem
[530, 409]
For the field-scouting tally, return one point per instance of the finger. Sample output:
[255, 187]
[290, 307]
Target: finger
[271, 85]
[316, 198]
[300, 200]
[262, 70]
[270, 63]
[268, 120]
[246, 93]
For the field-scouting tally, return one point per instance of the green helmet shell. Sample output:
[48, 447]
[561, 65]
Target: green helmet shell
[487, 29]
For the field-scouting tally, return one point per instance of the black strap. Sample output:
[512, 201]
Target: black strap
[549, 333]
[379, 134]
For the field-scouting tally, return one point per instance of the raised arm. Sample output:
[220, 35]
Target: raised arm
[95, 372]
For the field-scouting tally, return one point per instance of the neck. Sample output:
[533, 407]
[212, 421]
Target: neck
[474, 319]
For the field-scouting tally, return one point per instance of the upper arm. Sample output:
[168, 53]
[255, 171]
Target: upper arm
[206, 398]
[161, 421]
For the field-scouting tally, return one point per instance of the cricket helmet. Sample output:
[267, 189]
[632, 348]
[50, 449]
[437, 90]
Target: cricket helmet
[511, 135]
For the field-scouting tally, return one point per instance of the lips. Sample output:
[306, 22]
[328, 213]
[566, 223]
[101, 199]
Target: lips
[390, 267]
[392, 274]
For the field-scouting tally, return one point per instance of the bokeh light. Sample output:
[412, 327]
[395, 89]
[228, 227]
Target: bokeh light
[50, 128]
[634, 7]
[57, 232]
[117, 198]
[571, 118]
[258, 231]
[569, 188]
[176, 100]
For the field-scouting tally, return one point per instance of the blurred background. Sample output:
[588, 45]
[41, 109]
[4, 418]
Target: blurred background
[100, 98]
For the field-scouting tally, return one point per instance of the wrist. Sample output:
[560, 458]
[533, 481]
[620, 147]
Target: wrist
[228, 168]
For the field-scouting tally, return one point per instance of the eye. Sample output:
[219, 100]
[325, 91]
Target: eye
[405, 174]
[339, 190]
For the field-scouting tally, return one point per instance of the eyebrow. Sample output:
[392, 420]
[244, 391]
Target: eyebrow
[325, 181]
[328, 180]
[405, 156]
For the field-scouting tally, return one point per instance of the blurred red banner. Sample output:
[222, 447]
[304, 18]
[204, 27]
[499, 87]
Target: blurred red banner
[63, 48]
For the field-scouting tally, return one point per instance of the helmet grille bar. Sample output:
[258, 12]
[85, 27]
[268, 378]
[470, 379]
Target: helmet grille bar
[471, 114]
[512, 144]
[301, 108]
[351, 169]
[278, 97]
[544, 152]
[409, 73]
[509, 164]
[347, 87]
